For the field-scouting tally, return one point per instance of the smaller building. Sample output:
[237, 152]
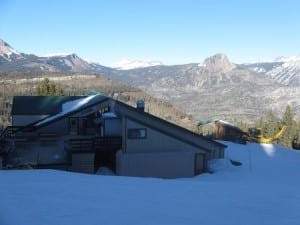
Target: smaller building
[227, 131]
[87, 133]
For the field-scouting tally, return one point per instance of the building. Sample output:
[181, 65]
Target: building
[227, 131]
[85, 133]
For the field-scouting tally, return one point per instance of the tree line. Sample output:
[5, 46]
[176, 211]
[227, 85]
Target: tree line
[270, 123]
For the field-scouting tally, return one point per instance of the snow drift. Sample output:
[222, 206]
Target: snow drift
[264, 189]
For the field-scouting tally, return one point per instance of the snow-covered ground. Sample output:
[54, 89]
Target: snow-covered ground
[265, 189]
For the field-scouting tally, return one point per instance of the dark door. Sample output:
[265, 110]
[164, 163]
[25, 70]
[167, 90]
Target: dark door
[73, 125]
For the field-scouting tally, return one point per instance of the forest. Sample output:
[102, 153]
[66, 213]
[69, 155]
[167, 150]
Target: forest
[271, 124]
[43, 84]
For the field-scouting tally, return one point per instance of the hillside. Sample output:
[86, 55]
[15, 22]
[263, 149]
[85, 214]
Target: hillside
[13, 84]
[216, 87]
[285, 70]
[265, 189]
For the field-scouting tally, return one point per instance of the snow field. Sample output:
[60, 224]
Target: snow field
[265, 189]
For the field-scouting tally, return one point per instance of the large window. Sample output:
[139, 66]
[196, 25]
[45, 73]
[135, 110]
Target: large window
[139, 133]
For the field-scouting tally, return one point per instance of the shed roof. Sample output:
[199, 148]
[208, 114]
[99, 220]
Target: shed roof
[40, 105]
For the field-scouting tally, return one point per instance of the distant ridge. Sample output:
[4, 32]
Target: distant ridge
[284, 70]
[216, 86]
[13, 61]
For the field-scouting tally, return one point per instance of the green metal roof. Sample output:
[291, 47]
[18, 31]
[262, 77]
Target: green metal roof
[40, 105]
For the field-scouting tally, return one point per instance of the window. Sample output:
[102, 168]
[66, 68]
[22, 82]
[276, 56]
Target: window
[104, 109]
[140, 133]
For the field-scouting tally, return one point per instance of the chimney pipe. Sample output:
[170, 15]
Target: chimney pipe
[140, 105]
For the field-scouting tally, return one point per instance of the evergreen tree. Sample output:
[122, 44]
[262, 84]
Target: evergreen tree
[270, 126]
[49, 88]
[291, 130]
[241, 124]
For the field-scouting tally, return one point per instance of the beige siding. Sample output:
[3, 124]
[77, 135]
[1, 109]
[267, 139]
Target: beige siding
[163, 165]
[83, 163]
[154, 142]
[165, 128]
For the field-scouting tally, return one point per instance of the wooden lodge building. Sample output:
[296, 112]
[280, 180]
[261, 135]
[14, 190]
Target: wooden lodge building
[85, 133]
[226, 131]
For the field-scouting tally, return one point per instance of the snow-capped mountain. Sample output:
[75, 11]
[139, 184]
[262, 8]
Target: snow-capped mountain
[7, 53]
[56, 54]
[127, 64]
[285, 70]
[14, 61]
[6, 49]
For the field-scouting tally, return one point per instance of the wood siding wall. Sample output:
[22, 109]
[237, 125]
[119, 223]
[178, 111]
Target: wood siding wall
[155, 141]
[227, 133]
[83, 162]
[168, 129]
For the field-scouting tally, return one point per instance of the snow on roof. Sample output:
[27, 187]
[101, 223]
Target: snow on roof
[69, 107]
[76, 104]
[228, 124]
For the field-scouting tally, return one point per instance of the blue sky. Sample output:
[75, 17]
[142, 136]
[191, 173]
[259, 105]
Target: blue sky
[171, 31]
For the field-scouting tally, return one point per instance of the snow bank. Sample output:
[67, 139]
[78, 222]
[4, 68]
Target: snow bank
[265, 189]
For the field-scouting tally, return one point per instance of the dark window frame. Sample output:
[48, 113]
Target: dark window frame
[137, 133]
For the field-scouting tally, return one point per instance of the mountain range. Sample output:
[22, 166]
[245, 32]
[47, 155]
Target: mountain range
[215, 86]
[14, 61]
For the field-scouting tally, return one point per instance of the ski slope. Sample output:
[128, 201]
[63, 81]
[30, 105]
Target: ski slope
[265, 189]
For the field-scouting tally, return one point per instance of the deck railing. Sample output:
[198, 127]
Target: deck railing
[11, 131]
[95, 144]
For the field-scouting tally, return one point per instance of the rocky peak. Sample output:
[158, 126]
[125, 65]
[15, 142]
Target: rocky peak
[6, 49]
[73, 56]
[218, 63]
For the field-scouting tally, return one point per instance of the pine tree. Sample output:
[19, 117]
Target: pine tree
[270, 126]
[291, 130]
[49, 88]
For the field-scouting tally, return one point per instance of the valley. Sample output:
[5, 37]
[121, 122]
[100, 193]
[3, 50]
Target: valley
[214, 87]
